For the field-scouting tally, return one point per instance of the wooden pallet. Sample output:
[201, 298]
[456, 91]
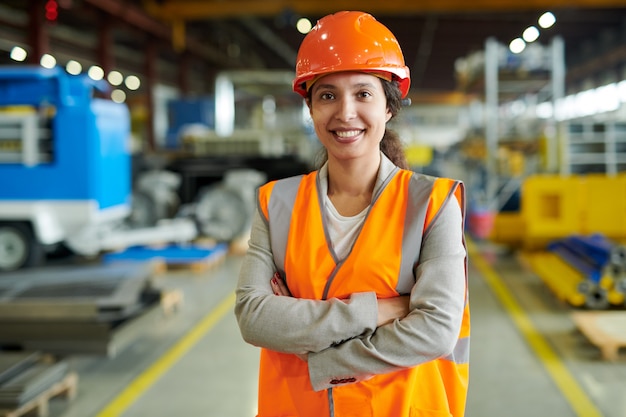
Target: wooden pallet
[196, 266]
[39, 406]
[604, 329]
[239, 246]
[171, 301]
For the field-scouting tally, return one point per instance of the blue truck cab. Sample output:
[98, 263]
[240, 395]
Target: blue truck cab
[65, 169]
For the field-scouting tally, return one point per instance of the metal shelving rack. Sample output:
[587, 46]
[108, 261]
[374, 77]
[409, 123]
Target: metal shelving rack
[550, 83]
[592, 146]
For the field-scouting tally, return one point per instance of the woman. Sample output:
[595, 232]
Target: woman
[366, 312]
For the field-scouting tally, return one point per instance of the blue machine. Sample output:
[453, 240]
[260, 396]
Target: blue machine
[84, 156]
[64, 163]
[188, 111]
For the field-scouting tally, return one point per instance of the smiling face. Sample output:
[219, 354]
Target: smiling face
[349, 112]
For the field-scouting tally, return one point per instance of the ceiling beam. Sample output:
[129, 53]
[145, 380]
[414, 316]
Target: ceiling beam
[137, 17]
[424, 50]
[271, 40]
[219, 9]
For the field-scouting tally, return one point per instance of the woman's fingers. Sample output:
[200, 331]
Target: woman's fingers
[278, 285]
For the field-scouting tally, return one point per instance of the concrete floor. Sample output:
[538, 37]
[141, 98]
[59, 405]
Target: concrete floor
[527, 357]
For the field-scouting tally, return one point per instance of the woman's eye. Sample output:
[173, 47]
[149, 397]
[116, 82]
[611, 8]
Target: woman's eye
[364, 94]
[326, 96]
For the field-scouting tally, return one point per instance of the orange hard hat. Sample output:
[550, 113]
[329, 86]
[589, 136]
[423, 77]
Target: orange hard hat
[350, 41]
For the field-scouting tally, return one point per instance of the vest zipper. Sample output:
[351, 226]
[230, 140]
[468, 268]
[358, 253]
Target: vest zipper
[331, 403]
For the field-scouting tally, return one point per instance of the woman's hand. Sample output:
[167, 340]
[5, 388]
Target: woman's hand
[280, 288]
[278, 285]
[390, 309]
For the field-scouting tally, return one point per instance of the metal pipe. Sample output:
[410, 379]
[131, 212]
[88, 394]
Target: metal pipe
[491, 119]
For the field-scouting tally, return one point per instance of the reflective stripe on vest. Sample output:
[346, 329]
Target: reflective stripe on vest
[383, 259]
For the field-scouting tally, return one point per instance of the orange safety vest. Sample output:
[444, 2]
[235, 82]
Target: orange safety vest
[382, 260]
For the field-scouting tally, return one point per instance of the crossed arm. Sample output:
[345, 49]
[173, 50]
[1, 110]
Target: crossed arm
[360, 335]
[389, 309]
[293, 325]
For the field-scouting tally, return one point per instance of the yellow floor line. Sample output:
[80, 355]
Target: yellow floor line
[144, 381]
[574, 394]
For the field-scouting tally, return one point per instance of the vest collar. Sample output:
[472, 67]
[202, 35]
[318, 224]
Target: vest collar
[385, 169]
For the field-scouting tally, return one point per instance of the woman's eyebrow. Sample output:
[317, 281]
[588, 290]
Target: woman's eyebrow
[327, 86]
[332, 86]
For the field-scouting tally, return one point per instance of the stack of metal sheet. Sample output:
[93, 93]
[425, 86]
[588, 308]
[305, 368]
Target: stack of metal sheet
[24, 376]
[13, 363]
[92, 309]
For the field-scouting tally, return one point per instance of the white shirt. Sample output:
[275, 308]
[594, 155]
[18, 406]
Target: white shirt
[343, 230]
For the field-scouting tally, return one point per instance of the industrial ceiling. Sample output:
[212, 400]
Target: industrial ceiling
[218, 35]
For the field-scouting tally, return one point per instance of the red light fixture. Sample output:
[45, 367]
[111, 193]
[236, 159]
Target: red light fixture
[52, 10]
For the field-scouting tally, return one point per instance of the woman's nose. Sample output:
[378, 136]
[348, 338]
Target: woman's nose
[346, 109]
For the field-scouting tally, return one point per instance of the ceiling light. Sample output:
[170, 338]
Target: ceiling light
[517, 45]
[95, 73]
[304, 25]
[118, 96]
[546, 20]
[18, 54]
[132, 82]
[531, 34]
[73, 67]
[115, 78]
[48, 61]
